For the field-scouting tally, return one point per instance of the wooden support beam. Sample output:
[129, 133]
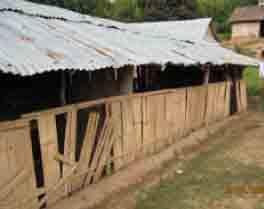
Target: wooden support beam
[206, 70]
[126, 78]
[63, 89]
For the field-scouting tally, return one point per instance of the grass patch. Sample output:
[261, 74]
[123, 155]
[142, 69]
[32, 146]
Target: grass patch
[254, 83]
[203, 184]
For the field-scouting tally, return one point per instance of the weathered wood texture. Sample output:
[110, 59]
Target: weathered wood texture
[17, 176]
[128, 128]
[241, 96]
[176, 113]
[49, 149]
[195, 110]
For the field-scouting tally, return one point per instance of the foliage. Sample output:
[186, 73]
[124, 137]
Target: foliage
[221, 10]
[130, 10]
[153, 10]
[254, 83]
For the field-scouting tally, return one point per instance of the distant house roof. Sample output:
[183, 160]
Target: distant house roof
[38, 38]
[247, 14]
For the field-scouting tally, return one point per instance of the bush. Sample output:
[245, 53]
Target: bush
[254, 83]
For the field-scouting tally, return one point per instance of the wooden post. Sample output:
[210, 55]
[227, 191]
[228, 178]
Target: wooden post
[126, 78]
[228, 76]
[206, 79]
[69, 94]
[63, 89]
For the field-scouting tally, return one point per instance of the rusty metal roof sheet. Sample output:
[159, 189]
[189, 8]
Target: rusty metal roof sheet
[31, 45]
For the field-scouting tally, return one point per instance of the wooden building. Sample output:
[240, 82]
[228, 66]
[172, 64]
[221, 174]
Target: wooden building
[248, 22]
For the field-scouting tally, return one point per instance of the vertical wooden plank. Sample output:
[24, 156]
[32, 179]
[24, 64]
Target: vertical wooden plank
[148, 132]
[189, 113]
[243, 90]
[70, 138]
[49, 149]
[116, 115]
[215, 102]
[195, 113]
[202, 101]
[224, 88]
[175, 113]
[220, 101]
[99, 149]
[188, 108]
[211, 107]
[161, 126]
[105, 155]
[4, 174]
[89, 138]
[70, 144]
[86, 151]
[129, 143]
[228, 99]
[28, 187]
[137, 122]
[145, 124]
[238, 96]
[131, 124]
[18, 186]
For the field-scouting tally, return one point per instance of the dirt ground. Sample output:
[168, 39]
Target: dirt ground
[228, 172]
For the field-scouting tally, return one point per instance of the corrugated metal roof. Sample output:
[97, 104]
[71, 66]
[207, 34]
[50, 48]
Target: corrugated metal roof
[54, 12]
[195, 30]
[182, 30]
[31, 45]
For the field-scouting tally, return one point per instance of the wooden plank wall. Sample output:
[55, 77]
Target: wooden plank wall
[195, 107]
[176, 113]
[127, 129]
[17, 177]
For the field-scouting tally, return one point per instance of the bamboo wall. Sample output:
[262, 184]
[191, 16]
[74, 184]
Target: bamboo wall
[98, 138]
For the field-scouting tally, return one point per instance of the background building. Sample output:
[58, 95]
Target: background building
[248, 22]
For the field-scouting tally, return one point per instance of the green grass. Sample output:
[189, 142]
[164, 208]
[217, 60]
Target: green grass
[203, 184]
[254, 83]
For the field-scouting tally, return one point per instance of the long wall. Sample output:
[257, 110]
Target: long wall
[54, 153]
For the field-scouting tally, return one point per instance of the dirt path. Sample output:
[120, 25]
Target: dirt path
[227, 173]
